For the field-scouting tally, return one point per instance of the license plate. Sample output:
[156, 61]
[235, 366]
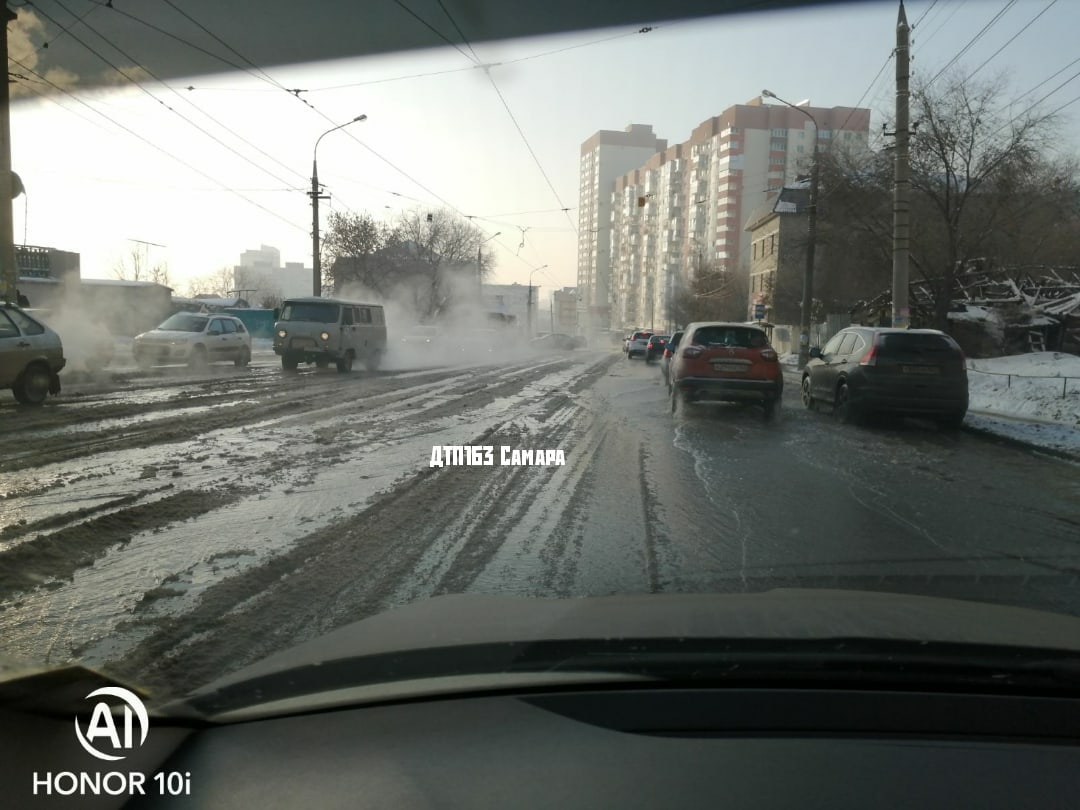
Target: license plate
[920, 369]
[729, 367]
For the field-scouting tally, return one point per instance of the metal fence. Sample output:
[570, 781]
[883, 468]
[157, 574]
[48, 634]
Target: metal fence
[1065, 389]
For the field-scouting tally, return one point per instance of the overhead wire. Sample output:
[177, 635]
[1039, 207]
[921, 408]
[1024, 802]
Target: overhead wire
[982, 32]
[1012, 39]
[153, 145]
[150, 73]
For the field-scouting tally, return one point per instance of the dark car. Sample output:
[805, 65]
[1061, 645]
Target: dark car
[726, 362]
[655, 347]
[557, 341]
[665, 358]
[865, 370]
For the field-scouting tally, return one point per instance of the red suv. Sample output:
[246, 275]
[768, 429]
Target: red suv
[726, 362]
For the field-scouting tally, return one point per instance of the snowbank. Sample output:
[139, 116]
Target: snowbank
[1027, 397]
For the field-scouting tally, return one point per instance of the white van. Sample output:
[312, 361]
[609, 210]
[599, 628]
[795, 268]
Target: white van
[325, 330]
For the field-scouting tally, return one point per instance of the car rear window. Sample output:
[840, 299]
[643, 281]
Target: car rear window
[915, 343]
[737, 336]
[641, 335]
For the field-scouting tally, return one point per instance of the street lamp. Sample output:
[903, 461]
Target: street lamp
[530, 307]
[315, 197]
[479, 265]
[811, 238]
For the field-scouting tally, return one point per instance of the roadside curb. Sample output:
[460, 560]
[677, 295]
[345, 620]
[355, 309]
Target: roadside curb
[1065, 455]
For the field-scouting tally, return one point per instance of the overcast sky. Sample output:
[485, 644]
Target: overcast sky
[212, 171]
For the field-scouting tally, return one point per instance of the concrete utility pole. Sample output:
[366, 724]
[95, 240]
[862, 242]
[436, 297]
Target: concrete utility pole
[316, 275]
[901, 314]
[9, 271]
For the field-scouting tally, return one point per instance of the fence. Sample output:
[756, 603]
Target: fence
[1010, 377]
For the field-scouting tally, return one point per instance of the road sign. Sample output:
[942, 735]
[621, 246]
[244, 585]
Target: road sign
[759, 311]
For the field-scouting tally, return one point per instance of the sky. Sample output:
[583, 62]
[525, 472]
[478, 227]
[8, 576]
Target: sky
[194, 171]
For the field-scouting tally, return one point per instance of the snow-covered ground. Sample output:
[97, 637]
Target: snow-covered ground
[1027, 397]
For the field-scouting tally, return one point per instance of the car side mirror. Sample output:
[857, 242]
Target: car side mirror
[815, 353]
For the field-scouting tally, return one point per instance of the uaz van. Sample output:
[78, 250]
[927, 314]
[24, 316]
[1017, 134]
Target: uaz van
[330, 330]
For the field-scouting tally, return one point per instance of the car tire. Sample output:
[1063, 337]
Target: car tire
[198, 357]
[243, 358]
[678, 402]
[32, 386]
[953, 421]
[845, 411]
[771, 408]
[345, 364]
[288, 362]
[805, 391]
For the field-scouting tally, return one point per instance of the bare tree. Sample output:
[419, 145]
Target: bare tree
[219, 283]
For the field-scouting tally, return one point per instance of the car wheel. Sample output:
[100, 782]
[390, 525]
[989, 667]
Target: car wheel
[847, 413]
[344, 365]
[198, 357]
[808, 400]
[771, 408]
[322, 362]
[951, 422]
[678, 402]
[288, 362]
[243, 358]
[32, 387]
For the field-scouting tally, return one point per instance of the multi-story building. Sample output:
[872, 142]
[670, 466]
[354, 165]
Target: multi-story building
[605, 156]
[261, 276]
[686, 209]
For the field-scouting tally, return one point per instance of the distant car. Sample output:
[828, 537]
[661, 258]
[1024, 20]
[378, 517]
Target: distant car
[555, 340]
[865, 370]
[195, 339]
[665, 358]
[31, 356]
[655, 347]
[422, 335]
[637, 344]
[725, 362]
[479, 342]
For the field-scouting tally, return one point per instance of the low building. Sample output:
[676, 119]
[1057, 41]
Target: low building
[778, 255]
[564, 311]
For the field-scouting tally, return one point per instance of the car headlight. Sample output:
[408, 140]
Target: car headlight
[282, 333]
[325, 335]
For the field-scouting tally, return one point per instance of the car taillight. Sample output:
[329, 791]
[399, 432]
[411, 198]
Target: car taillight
[870, 358]
[693, 351]
[768, 354]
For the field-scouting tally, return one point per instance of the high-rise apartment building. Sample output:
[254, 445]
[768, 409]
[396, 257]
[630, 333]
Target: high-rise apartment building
[605, 156]
[685, 209]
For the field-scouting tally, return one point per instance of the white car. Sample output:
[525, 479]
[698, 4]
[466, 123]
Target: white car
[196, 339]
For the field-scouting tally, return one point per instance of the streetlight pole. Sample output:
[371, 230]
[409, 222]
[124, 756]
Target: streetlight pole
[811, 239]
[480, 266]
[316, 275]
[530, 307]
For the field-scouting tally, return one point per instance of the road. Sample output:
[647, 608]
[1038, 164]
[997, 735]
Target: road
[170, 528]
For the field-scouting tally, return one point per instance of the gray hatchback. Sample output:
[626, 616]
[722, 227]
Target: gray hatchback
[864, 370]
[31, 356]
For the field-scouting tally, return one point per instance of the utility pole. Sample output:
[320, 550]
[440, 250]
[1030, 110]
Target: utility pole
[9, 271]
[316, 274]
[901, 313]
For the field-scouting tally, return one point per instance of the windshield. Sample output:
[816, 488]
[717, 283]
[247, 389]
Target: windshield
[352, 178]
[312, 312]
[184, 322]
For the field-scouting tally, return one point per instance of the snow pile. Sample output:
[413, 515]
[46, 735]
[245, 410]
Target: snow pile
[789, 359]
[1027, 397]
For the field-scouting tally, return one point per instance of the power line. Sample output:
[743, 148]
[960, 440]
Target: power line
[993, 21]
[944, 22]
[150, 143]
[457, 28]
[434, 30]
[1013, 38]
[923, 15]
[172, 110]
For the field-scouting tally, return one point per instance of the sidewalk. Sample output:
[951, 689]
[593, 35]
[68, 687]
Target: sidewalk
[1023, 399]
